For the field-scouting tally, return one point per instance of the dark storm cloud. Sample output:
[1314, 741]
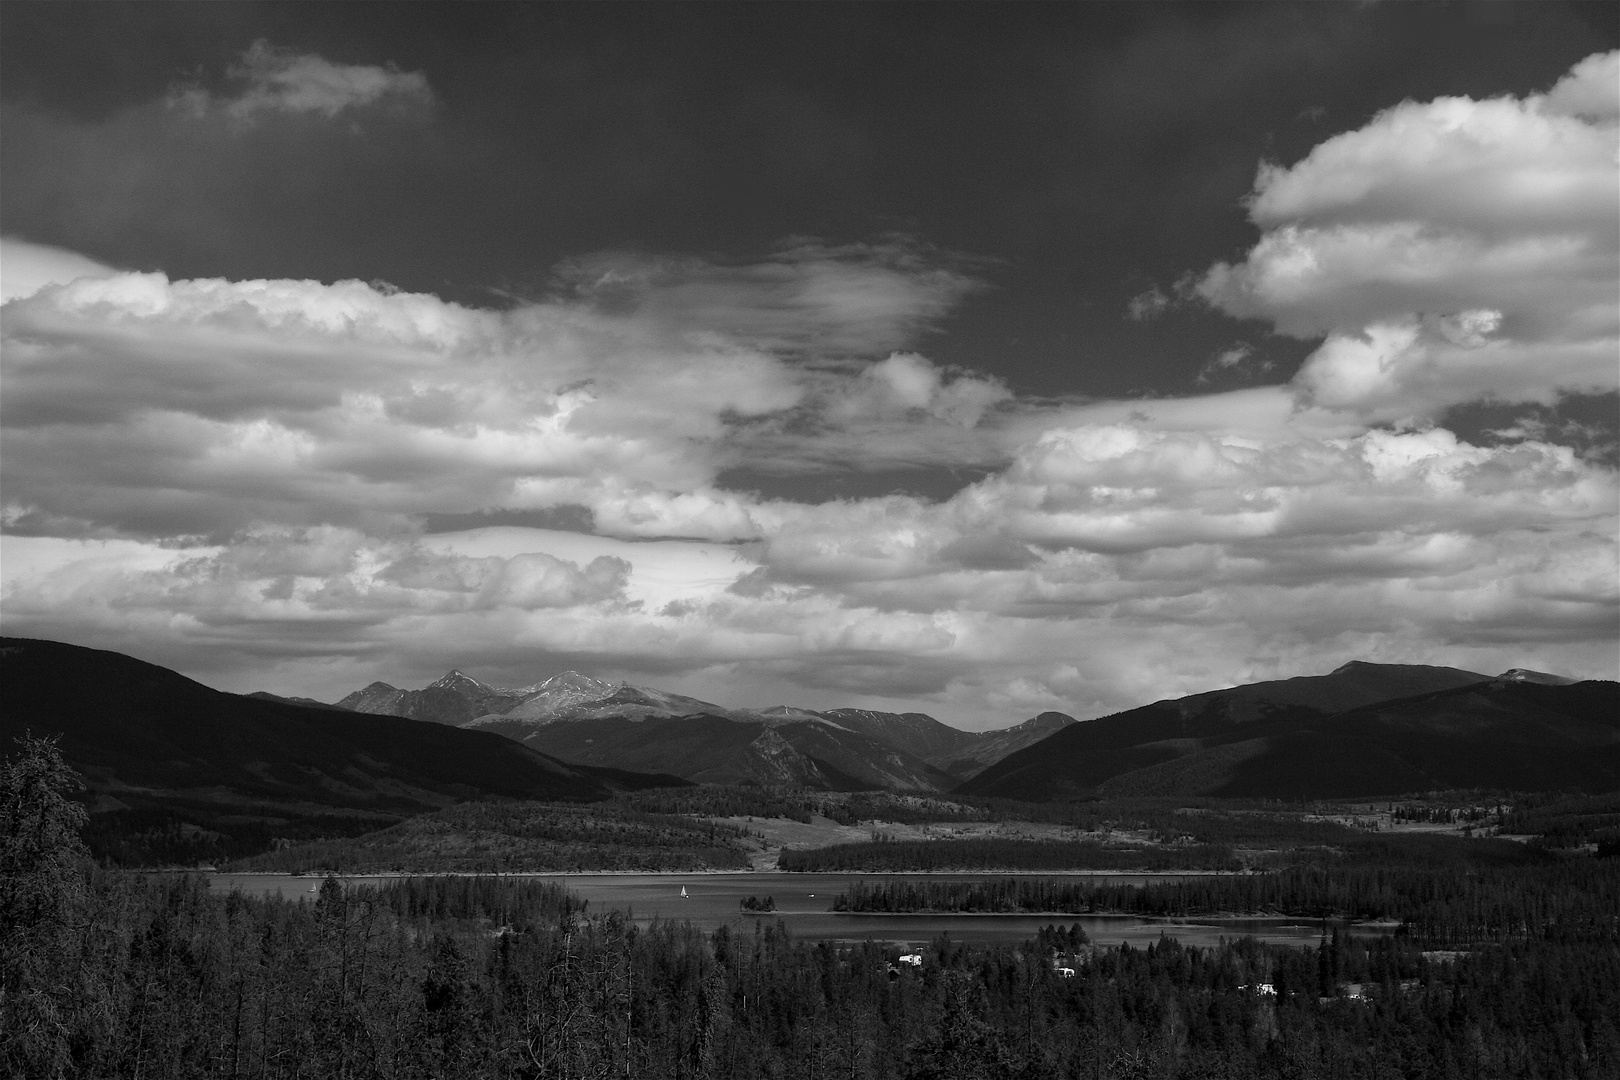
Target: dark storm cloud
[1080, 145]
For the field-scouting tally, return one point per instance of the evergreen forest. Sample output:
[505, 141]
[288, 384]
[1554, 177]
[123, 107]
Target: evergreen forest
[1504, 965]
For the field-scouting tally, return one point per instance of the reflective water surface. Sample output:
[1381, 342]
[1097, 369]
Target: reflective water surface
[803, 902]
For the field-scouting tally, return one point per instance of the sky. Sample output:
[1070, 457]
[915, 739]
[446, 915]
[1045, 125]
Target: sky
[972, 359]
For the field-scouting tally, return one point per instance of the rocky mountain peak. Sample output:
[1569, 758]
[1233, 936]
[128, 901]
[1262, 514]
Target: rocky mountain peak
[458, 680]
[573, 680]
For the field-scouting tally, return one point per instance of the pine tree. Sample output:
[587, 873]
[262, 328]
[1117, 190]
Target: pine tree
[42, 892]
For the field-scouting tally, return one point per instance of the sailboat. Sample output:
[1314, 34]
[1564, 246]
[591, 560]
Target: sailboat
[683, 893]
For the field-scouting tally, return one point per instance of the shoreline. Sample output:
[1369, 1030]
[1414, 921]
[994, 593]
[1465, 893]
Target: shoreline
[1217, 919]
[691, 873]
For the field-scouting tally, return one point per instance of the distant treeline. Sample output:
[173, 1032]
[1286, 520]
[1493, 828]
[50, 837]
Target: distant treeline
[1001, 853]
[723, 800]
[1276, 842]
[1566, 821]
[491, 837]
[167, 836]
[1565, 899]
[799, 804]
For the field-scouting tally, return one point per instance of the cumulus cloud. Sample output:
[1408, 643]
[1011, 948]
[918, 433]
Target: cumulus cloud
[212, 473]
[907, 381]
[1268, 552]
[268, 80]
[1448, 251]
[1589, 90]
[137, 405]
[201, 406]
[27, 268]
[272, 448]
[1268, 506]
[328, 586]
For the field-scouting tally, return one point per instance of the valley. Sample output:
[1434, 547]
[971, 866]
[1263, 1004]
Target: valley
[1307, 854]
[571, 773]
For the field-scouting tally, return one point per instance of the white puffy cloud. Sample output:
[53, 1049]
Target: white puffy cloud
[1448, 251]
[138, 404]
[907, 381]
[27, 268]
[1261, 553]
[225, 474]
[1113, 501]
[314, 590]
[270, 80]
[1589, 89]
[273, 447]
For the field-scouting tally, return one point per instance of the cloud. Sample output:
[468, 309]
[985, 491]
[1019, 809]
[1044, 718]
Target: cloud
[1448, 251]
[222, 474]
[1271, 506]
[1239, 360]
[853, 299]
[26, 268]
[243, 470]
[266, 162]
[270, 80]
[1589, 89]
[1148, 305]
[137, 405]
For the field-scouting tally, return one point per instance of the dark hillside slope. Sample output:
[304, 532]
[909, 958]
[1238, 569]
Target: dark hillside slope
[957, 753]
[1509, 735]
[1287, 740]
[1349, 686]
[916, 733]
[454, 699]
[727, 750]
[990, 747]
[706, 749]
[149, 738]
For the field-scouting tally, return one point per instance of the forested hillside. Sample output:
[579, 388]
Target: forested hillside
[179, 773]
[1324, 740]
[487, 978]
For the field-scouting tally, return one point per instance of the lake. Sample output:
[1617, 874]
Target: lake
[803, 903]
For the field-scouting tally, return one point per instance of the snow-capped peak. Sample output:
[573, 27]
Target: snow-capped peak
[568, 681]
[457, 680]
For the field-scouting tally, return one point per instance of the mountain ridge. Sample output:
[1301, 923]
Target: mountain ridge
[836, 749]
[146, 738]
[1286, 739]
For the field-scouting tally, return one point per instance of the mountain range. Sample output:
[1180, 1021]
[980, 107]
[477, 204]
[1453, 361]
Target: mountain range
[199, 762]
[1364, 729]
[148, 739]
[581, 719]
